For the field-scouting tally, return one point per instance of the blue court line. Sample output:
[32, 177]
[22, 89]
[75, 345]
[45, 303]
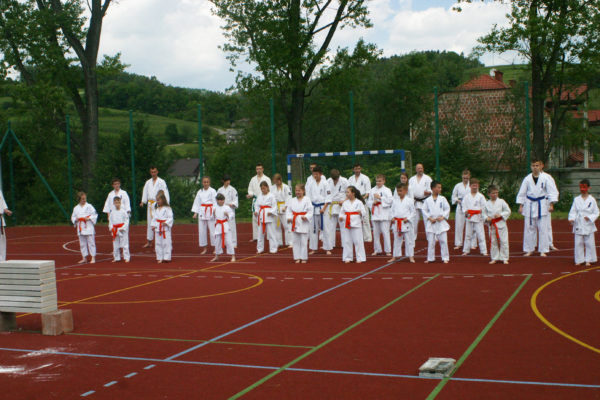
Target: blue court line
[323, 371]
[88, 393]
[109, 384]
[131, 375]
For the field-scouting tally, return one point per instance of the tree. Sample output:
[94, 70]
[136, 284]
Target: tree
[559, 38]
[288, 42]
[38, 39]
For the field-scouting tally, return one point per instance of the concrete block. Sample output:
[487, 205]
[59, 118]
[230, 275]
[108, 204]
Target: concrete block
[57, 322]
[8, 321]
[437, 367]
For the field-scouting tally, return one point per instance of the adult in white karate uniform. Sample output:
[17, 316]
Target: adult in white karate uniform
[118, 225]
[460, 190]
[363, 184]
[582, 216]
[380, 204]
[436, 211]
[84, 218]
[403, 213]
[536, 197]
[420, 186]
[151, 189]
[316, 191]
[283, 194]
[162, 224]
[495, 213]
[223, 239]
[337, 186]
[351, 214]
[117, 192]
[253, 192]
[266, 212]
[310, 178]
[203, 209]
[299, 214]
[473, 204]
[231, 200]
[3, 210]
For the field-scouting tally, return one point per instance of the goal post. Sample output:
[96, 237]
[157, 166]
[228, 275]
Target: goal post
[402, 153]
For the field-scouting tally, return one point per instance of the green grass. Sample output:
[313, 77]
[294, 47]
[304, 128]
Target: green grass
[117, 121]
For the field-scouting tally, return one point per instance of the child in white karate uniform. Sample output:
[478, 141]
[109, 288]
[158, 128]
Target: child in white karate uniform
[403, 214]
[84, 218]
[582, 216]
[351, 214]
[496, 212]
[223, 239]
[162, 224]
[282, 193]
[472, 205]
[336, 188]
[205, 201]
[299, 215]
[266, 211]
[3, 210]
[436, 211]
[231, 199]
[118, 225]
[380, 202]
[316, 191]
[461, 189]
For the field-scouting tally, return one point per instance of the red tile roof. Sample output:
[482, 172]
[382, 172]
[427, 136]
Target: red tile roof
[482, 82]
[593, 115]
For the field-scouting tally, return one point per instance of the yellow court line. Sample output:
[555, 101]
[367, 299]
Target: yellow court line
[597, 295]
[537, 312]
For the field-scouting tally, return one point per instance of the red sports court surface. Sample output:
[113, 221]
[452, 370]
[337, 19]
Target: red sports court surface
[266, 328]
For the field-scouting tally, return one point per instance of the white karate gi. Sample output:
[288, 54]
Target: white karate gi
[418, 188]
[109, 204]
[337, 195]
[363, 184]
[298, 226]
[474, 222]
[585, 243]
[491, 209]
[84, 218]
[223, 239]
[459, 191]
[536, 199]
[151, 189]
[3, 207]
[438, 230]
[403, 210]
[282, 195]
[380, 217]
[317, 193]
[353, 238]
[266, 207]
[204, 204]
[231, 200]
[120, 234]
[162, 222]
[254, 191]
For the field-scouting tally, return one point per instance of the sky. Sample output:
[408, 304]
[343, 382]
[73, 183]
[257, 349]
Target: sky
[179, 43]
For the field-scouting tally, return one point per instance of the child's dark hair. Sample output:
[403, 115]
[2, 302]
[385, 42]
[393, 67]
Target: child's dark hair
[115, 180]
[220, 196]
[435, 183]
[80, 195]
[162, 197]
[474, 180]
[317, 169]
[116, 198]
[356, 193]
[585, 181]
[334, 173]
[401, 185]
[492, 188]
[226, 178]
[265, 184]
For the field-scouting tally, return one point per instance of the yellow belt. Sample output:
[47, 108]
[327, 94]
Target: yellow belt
[331, 206]
[279, 203]
[151, 207]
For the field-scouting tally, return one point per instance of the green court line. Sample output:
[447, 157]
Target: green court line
[331, 339]
[477, 340]
[190, 340]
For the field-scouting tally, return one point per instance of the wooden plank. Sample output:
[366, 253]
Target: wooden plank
[27, 287]
[27, 270]
[4, 304]
[29, 299]
[26, 263]
[30, 309]
[32, 293]
[29, 282]
[26, 275]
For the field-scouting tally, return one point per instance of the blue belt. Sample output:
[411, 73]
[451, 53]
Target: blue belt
[315, 205]
[539, 201]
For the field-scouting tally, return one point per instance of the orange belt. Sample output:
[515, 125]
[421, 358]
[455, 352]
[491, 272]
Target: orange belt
[348, 215]
[294, 219]
[264, 211]
[373, 208]
[84, 221]
[399, 224]
[161, 231]
[493, 222]
[472, 212]
[115, 230]
[222, 222]
[205, 207]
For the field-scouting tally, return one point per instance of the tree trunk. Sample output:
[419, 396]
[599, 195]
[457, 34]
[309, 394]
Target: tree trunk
[295, 116]
[538, 99]
[91, 127]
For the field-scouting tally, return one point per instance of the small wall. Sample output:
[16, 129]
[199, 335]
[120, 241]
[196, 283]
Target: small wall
[569, 178]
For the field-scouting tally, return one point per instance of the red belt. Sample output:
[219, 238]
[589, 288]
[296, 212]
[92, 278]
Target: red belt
[115, 230]
[373, 208]
[348, 215]
[84, 220]
[294, 219]
[399, 224]
[493, 222]
[161, 231]
[264, 210]
[222, 222]
[205, 207]
[472, 212]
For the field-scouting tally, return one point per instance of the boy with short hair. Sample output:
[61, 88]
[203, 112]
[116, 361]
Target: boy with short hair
[316, 191]
[403, 213]
[436, 211]
[473, 204]
[116, 192]
[496, 212]
[84, 218]
[203, 210]
[461, 189]
[223, 239]
[231, 199]
[118, 225]
[380, 202]
[582, 216]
